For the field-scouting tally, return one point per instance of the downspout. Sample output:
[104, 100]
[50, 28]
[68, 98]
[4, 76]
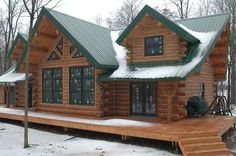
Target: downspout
[114, 98]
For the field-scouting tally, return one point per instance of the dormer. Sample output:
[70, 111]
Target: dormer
[151, 37]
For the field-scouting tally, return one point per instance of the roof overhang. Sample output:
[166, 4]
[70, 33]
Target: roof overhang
[11, 76]
[19, 38]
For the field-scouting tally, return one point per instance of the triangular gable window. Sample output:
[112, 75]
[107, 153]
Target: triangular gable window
[75, 53]
[59, 46]
[53, 56]
[72, 49]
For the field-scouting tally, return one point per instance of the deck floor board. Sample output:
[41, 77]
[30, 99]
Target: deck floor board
[149, 128]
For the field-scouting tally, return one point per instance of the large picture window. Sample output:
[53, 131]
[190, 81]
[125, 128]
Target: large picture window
[154, 46]
[52, 85]
[82, 85]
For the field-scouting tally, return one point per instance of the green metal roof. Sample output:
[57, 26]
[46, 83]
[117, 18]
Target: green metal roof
[205, 24]
[94, 41]
[164, 20]
[19, 37]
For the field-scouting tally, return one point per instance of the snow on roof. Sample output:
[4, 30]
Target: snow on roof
[11, 76]
[120, 53]
[164, 71]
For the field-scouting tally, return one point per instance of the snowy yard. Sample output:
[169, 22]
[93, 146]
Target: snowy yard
[50, 144]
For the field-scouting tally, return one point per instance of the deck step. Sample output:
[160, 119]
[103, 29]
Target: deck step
[212, 152]
[187, 141]
[204, 146]
[197, 135]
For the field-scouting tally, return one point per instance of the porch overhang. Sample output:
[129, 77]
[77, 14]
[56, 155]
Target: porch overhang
[11, 76]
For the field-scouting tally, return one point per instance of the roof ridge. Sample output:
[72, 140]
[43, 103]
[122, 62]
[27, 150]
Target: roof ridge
[77, 18]
[199, 17]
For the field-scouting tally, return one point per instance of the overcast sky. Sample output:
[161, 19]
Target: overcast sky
[88, 9]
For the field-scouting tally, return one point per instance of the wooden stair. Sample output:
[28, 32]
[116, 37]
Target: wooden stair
[203, 146]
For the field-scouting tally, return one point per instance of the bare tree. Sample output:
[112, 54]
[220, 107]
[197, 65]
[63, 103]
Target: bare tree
[123, 16]
[231, 4]
[9, 25]
[223, 6]
[219, 6]
[98, 19]
[183, 8]
[167, 12]
[33, 8]
[204, 7]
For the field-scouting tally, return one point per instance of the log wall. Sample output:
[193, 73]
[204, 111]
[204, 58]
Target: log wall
[2, 95]
[206, 75]
[65, 62]
[118, 100]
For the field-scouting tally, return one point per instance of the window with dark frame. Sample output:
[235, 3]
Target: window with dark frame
[82, 85]
[154, 45]
[52, 85]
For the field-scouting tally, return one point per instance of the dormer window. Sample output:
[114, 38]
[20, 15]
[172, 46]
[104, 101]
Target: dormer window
[154, 46]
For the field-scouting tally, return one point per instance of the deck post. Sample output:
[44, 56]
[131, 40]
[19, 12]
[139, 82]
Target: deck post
[7, 95]
[170, 95]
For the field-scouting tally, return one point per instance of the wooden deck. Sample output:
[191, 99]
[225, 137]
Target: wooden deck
[207, 130]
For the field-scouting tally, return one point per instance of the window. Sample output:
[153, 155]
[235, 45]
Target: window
[82, 85]
[52, 85]
[59, 46]
[154, 46]
[75, 53]
[53, 56]
[57, 52]
[143, 96]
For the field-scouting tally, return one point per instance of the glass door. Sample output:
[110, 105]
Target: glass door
[143, 98]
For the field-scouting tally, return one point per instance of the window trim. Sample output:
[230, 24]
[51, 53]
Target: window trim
[163, 44]
[82, 80]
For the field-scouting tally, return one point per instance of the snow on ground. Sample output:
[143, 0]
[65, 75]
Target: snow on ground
[50, 144]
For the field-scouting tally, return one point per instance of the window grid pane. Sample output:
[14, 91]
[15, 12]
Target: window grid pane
[154, 46]
[52, 85]
[82, 85]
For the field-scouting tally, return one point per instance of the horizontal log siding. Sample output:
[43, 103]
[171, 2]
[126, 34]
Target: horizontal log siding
[117, 99]
[2, 100]
[174, 47]
[207, 76]
[178, 103]
[65, 62]
[20, 87]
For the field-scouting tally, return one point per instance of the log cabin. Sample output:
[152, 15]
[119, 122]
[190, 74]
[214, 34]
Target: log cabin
[150, 69]
[146, 72]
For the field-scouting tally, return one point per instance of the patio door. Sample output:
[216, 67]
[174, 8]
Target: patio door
[143, 98]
